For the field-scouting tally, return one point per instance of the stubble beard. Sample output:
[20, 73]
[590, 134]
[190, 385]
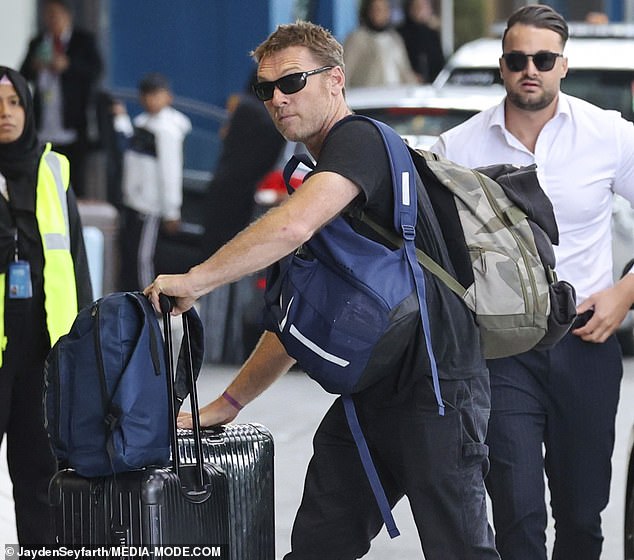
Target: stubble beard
[529, 102]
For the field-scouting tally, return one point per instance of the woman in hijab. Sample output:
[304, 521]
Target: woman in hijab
[44, 280]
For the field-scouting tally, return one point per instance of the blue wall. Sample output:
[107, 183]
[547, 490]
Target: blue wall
[203, 47]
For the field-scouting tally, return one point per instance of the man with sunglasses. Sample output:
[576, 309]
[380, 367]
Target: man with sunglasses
[438, 462]
[566, 398]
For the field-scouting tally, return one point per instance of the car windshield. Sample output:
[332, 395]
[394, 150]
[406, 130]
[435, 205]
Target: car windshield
[474, 76]
[419, 121]
[610, 89]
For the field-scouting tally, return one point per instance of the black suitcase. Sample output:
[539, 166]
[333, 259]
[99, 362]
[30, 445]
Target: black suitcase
[231, 513]
[144, 509]
[245, 454]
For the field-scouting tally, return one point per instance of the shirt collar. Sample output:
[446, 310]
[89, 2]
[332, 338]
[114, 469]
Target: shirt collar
[497, 117]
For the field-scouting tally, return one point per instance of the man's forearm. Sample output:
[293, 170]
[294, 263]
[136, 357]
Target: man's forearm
[259, 245]
[267, 363]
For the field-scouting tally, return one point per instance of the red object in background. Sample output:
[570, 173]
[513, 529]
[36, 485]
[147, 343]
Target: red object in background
[271, 190]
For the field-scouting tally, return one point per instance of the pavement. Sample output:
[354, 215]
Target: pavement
[292, 409]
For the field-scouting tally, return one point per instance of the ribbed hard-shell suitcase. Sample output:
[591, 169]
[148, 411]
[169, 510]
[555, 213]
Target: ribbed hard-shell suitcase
[232, 512]
[146, 509]
[245, 454]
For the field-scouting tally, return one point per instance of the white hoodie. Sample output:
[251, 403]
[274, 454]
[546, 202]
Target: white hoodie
[153, 162]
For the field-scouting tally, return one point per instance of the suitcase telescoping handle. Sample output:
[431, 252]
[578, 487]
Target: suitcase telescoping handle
[198, 488]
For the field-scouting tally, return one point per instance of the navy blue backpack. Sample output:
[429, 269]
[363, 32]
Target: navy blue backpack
[106, 400]
[344, 305]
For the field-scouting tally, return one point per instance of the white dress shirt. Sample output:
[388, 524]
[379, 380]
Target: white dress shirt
[584, 155]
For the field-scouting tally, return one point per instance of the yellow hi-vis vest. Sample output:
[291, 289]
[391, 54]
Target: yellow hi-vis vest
[51, 212]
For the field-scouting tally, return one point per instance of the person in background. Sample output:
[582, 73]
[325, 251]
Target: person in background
[375, 54]
[152, 177]
[250, 148]
[63, 64]
[438, 462]
[44, 281]
[564, 399]
[597, 18]
[422, 39]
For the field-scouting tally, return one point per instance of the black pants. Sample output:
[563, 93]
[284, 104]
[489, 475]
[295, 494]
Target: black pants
[437, 462]
[139, 234]
[566, 400]
[77, 154]
[30, 460]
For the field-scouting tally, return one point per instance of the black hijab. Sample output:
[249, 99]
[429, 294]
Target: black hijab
[19, 159]
[19, 162]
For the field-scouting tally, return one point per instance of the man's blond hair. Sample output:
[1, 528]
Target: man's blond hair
[319, 41]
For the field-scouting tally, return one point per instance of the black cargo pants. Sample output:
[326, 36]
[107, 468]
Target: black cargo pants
[438, 462]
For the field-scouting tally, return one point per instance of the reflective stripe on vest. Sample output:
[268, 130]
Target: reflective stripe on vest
[51, 212]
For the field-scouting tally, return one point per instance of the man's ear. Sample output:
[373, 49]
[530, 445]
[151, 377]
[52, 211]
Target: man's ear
[564, 67]
[338, 79]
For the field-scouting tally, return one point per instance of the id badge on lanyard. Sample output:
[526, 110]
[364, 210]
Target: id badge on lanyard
[20, 286]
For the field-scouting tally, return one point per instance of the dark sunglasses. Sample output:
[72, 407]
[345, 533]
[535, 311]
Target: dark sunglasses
[543, 60]
[292, 83]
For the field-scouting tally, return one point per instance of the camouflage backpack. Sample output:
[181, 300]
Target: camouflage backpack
[499, 227]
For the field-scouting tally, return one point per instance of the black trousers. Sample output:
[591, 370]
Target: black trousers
[138, 238]
[77, 154]
[30, 460]
[564, 400]
[437, 462]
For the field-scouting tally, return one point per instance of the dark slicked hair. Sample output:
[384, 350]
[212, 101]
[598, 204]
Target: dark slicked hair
[540, 16]
[315, 38]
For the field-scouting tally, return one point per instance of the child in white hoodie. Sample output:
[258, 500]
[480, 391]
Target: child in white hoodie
[152, 177]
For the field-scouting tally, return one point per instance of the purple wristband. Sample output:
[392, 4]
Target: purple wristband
[234, 403]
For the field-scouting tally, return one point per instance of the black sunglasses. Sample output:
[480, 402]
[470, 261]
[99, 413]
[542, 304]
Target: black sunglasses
[292, 83]
[543, 60]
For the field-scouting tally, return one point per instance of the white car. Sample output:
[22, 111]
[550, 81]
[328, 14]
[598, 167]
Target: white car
[600, 70]
[600, 60]
[421, 113]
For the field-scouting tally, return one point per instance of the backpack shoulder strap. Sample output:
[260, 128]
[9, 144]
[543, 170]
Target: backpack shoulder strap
[112, 413]
[196, 348]
[155, 334]
[423, 258]
[405, 214]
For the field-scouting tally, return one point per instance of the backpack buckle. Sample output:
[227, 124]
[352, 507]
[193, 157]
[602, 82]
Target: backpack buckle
[409, 232]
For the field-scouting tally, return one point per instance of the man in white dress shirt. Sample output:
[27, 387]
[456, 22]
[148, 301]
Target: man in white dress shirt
[565, 398]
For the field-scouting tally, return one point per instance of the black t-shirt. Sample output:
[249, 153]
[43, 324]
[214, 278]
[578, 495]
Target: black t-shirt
[355, 150]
